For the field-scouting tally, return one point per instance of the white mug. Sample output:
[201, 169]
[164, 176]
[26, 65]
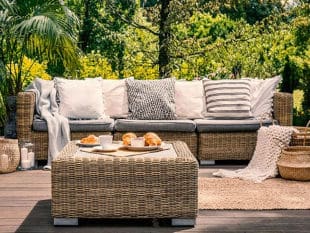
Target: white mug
[137, 142]
[105, 140]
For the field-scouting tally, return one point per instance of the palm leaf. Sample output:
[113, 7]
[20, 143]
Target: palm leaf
[38, 29]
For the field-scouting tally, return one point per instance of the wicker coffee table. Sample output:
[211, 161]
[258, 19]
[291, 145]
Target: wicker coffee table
[139, 186]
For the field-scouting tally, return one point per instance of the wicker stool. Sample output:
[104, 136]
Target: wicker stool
[9, 155]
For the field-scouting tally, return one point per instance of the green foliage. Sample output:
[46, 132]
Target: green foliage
[2, 112]
[141, 51]
[33, 33]
[252, 11]
[40, 30]
[301, 33]
[103, 27]
[147, 39]
[30, 70]
[95, 65]
[298, 96]
[203, 25]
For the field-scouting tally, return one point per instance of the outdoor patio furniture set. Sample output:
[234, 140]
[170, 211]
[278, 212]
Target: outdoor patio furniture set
[97, 186]
[208, 139]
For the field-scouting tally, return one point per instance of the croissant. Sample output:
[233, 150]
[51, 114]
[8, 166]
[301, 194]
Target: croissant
[127, 138]
[152, 139]
[90, 139]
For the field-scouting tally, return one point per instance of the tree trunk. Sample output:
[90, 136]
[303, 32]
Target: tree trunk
[164, 40]
[86, 27]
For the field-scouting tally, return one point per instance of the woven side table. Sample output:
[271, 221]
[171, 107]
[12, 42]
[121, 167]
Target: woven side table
[127, 187]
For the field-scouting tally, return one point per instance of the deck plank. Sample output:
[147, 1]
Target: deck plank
[25, 202]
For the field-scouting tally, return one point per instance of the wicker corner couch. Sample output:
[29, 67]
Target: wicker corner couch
[228, 143]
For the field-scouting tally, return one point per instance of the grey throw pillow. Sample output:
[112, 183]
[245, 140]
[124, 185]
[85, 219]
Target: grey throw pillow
[151, 99]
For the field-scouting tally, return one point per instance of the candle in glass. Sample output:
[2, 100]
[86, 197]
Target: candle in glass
[24, 153]
[31, 158]
[30, 154]
[25, 164]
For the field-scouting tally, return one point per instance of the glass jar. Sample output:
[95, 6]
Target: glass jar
[27, 155]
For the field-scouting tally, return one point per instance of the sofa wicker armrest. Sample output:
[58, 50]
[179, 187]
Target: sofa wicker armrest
[25, 113]
[283, 108]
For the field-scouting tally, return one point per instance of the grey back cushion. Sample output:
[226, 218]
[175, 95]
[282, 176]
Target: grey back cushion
[151, 99]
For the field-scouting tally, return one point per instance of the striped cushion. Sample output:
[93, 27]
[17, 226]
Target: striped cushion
[228, 99]
[151, 99]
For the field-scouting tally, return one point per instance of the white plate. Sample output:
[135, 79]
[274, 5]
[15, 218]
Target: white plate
[144, 148]
[79, 143]
[110, 148]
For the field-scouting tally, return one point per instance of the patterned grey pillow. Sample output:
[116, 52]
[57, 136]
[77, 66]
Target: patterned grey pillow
[151, 99]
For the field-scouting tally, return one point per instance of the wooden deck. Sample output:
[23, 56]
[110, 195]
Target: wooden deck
[25, 200]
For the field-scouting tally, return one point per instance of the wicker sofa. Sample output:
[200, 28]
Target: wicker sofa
[207, 140]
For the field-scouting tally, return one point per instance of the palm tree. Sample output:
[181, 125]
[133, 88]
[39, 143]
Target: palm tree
[42, 30]
[37, 29]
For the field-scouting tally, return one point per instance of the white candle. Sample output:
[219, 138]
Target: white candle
[4, 162]
[25, 164]
[31, 158]
[24, 153]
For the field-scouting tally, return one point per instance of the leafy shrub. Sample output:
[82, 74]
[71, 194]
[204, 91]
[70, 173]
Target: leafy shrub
[95, 65]
[31, 70]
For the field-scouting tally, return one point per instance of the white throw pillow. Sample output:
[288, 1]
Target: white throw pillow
[189, 99]
[80, 99]
[262, 92]
[115, 97]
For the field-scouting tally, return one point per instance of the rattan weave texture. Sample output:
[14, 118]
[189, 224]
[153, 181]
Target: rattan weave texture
[130, 187]
[224, 146]
[11, 149]
[294, 163]
[302, 138]
[283, 105]
[283, 108]
[241, 145]
[25, 114]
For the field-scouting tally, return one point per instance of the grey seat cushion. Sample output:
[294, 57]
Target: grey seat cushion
[208, 125]
[80, 125]
[122, 125]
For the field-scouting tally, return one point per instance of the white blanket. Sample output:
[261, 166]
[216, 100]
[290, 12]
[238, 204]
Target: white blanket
[47, 109]
[270, 141]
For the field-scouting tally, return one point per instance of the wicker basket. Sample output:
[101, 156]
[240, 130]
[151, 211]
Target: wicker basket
[302, 138]
[9, 149]
[294, 163]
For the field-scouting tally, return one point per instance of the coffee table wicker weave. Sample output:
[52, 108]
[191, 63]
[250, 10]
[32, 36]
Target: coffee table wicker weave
[128, 187]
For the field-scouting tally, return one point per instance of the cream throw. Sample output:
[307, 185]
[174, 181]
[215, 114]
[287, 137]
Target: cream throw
[270, 141]
[47, 109]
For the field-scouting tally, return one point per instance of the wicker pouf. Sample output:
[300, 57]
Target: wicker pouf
[9, 155]
[294, 163]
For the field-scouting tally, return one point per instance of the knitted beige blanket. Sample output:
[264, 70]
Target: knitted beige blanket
[270, 141]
